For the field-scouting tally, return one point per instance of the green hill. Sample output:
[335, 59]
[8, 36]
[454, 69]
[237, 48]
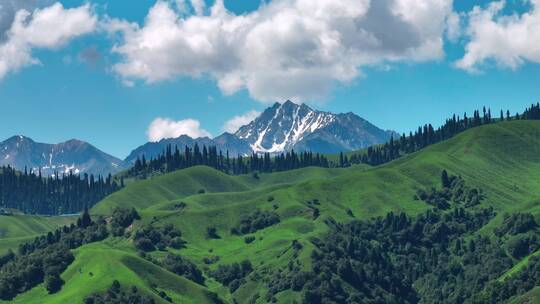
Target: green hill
[17, 229]
[171, 186]
[502, 159]
[97, 265]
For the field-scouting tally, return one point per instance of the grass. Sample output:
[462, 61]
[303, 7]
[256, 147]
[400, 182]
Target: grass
[530, 297]
[519, 266]
[18, 229]
[97, 265]
[503, 159]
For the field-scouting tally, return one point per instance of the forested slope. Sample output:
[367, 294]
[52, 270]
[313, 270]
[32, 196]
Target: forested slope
[253, 237]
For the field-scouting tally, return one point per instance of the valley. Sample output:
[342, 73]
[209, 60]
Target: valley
[269, 152]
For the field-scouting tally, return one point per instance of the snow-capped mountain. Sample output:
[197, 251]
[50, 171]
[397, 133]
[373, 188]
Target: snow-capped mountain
[288, 126]
[73, 155]
[284, 127]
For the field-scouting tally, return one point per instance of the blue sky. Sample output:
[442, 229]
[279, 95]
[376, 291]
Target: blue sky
[78, 91]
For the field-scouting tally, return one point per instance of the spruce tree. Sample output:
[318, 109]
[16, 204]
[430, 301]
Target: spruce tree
[85, 219]
[445, 180]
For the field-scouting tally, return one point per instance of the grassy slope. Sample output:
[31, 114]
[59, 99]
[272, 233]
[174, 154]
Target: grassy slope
[168, 187]
[531, 297]
[518, 267]
[97, 265]
[502, 159]
[18, 229]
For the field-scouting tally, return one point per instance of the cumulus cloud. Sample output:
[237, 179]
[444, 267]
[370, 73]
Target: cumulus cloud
[287, 49]
[162, 128]
[47, 28]
[233, 124]
[508, 40]
[8, 9]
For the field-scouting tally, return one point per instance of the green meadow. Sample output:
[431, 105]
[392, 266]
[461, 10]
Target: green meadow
[502, 159]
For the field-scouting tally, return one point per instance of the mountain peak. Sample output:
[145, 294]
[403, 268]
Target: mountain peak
[283, 127]
[289, 103]
[75, 141]
[299, 127]
[73, 155]
[18, 138]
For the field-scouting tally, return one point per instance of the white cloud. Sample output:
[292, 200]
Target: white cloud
[47, 28]
[8, 8]
[287, 49]
[509, 40]
[236, 122]
[162, 128]
[453, 27]
[198, 6]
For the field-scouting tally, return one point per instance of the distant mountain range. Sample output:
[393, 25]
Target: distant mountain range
[73, 155]
[280, 128]
[284, 127]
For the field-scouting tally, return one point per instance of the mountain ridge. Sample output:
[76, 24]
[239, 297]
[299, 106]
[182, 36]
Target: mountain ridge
[281, 128]
[73, 155]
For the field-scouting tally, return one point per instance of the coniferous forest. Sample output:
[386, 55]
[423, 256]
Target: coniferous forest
[173, 159]
[71, 193]
[432, 258]
[426, 135]
[61, 194]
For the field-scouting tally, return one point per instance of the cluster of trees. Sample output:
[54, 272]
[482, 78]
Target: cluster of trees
[255, 221]
[517, 284]
[433, 258]
[532, 113]
[516, 223]
[453, 190]
[174, 159]
[150, 238]
[233, 275]
[427, 135]
[61, 194]
[182, 267]
[116, 294]
[44, 259]
[293, 277]
[123, 218]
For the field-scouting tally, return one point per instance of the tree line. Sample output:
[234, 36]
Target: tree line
[70, 193]
[427, 135]
[174, 159]
[62, 194]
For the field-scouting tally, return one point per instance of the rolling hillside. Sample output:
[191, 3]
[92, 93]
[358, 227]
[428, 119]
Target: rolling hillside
[502, 159]
[17, 229]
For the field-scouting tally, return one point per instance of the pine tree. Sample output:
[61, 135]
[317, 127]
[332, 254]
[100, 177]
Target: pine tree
[445, 180]
[85, 219]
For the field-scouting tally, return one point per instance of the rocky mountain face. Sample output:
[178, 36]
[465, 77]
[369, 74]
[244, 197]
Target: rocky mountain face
[73, 155]
[284, 127]
[280, 128]
[289, 126]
